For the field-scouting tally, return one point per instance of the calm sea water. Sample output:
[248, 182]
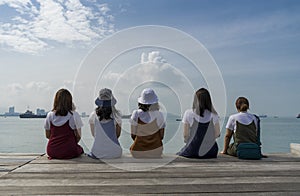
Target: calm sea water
[28, 136]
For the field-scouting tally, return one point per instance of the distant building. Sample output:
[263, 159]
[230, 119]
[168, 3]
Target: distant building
[11, 112]
[40, 112]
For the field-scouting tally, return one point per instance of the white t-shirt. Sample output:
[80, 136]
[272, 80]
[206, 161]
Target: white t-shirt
[148, 117]
[190, 115]
[93, 117]
[242, 117]
[75, 121]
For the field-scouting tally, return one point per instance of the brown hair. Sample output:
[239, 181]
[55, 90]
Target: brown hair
[202, 101]
[242, 104]
[62, 102]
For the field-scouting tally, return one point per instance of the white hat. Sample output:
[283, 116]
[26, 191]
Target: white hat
[105, 98]
[148, 97]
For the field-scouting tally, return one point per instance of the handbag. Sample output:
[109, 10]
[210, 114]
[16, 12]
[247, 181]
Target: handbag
[249, 151]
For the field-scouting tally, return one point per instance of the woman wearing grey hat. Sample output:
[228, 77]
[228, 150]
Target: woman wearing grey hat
[147, 127]
[105, 123]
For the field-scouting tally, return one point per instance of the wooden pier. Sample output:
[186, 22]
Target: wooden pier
[34, 174]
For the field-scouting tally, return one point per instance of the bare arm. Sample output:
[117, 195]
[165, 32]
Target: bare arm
[118, 130]
[217, 130]
[133, 132]
[77, 133]
[48, 133]
[227, 139]
[162, 133]
[186, 131]
[92, 127]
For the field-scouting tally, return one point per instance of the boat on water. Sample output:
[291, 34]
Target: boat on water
[30, 114]
[262, 116]
[298, 116]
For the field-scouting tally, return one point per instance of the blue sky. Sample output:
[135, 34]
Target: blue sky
[255, 44]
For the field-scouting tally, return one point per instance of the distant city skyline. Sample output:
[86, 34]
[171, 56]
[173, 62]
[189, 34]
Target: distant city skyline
[255, 44]
[11, 111]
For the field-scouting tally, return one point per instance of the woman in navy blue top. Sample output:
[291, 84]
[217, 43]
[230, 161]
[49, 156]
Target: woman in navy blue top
[200, 128]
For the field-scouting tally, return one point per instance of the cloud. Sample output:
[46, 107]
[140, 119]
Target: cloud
[35, 25]
[38, 86]
[14, 89]
[152, 57]
[152, 67]
[35, 94]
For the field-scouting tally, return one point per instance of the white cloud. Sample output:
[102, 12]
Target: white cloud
[36, 24]
[152, 57]
[34, 94]
[38, 86]
[152, 67]
[14, 89]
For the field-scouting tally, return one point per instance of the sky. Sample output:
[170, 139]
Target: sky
[46, 45]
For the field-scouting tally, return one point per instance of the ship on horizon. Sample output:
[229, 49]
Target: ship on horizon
[30, 114]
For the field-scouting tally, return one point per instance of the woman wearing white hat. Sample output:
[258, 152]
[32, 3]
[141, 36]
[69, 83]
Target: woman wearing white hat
[105, 123]
[147, 127]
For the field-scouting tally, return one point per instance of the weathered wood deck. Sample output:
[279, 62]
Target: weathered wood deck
[20, 174]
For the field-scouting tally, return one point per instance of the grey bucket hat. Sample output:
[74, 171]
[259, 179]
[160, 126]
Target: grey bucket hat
[105, 98]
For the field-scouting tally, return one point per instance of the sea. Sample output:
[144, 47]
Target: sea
[28, 135]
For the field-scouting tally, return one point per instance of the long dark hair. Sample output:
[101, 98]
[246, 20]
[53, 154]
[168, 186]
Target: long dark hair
[62, 102]
[242, 104]
[202, 101]
[104, 112]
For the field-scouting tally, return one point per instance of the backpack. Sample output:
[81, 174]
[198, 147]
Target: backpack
[250, 150]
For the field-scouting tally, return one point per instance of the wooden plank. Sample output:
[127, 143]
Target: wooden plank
[226, 175]
[185, 180]
[173, 167]
[11, 161]
[265, 188]
[151, 174]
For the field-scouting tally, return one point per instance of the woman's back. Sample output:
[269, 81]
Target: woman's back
[62, 142]
[244, 118]
[106, 144]
[201, 141]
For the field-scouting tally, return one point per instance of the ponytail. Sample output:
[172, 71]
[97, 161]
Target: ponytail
[242, 104]
[244, 107]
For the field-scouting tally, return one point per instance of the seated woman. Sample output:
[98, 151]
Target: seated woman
[63, 128]
[200, 128]
[105, 123]
[147, 127]
[243, 126]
